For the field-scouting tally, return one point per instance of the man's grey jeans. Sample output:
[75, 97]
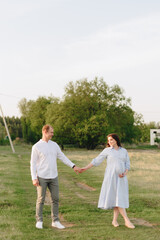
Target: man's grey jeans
[53, 187]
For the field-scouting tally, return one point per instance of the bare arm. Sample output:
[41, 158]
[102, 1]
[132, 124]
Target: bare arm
[86, 168]
[96, 161]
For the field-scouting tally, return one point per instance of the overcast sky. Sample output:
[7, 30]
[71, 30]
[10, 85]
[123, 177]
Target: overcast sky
[44, 44]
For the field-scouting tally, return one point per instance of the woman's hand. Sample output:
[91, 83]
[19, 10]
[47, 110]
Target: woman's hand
[81, 170]
[123, 174]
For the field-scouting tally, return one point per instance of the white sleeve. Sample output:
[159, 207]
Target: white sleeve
[33, 163]
[99, 159]
[63, 158]
[127, 163]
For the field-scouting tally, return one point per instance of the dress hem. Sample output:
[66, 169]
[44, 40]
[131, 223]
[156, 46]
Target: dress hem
[112, 207]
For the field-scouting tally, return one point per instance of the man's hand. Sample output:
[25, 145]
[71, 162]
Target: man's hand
[35, 182]
[76, 169]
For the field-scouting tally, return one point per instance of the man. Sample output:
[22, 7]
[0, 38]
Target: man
[44, 174]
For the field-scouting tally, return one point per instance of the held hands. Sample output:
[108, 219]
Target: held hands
[79, 170]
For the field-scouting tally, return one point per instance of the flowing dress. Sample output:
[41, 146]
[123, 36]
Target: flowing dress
[114, 190]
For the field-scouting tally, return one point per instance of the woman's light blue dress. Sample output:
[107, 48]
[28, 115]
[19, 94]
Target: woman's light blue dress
[114, 191]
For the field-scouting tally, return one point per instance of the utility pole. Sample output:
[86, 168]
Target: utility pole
[10, 140]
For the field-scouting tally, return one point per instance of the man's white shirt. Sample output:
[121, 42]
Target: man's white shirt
[44, 159]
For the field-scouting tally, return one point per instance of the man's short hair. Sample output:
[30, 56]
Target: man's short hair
[46, 127]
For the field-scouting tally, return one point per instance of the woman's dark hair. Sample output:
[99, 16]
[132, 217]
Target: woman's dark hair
[115, 137]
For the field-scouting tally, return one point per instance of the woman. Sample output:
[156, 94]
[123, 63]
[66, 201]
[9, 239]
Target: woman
[114, 191]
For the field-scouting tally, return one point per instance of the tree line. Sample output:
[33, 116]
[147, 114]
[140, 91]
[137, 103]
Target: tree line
[84, 116]
[14, 126]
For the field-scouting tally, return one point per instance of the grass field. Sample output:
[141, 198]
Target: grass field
[78, 199]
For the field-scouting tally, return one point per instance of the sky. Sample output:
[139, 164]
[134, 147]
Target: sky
[45, 44]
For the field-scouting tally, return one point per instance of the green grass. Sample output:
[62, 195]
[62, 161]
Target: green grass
[78, 206]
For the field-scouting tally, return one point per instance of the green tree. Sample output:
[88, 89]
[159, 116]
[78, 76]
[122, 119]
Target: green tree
[89, 111]
[37, 114]
[14, 127]
[55, 116]
[2, 131]
[33, 117]
[24, 107]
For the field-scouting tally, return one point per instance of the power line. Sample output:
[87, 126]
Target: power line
[6, 95]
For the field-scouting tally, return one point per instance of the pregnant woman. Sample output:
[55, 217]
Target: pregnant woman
[114, 191]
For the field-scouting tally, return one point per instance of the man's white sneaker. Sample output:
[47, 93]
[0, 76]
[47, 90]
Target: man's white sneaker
[57, 224]
[39, 225]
